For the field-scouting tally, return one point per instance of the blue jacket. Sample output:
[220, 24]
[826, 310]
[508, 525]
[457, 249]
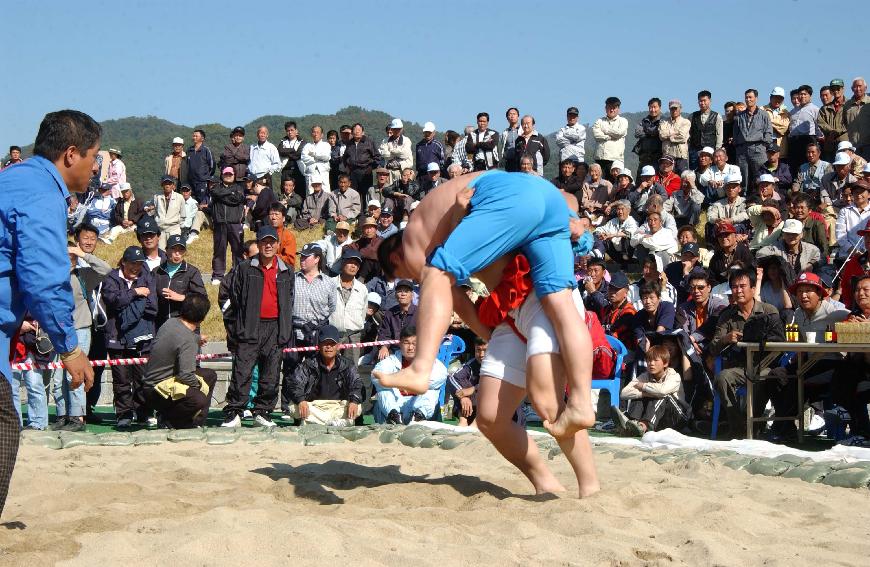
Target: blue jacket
[200, 164]
[130, 317]
[428, 152]
[34, 264]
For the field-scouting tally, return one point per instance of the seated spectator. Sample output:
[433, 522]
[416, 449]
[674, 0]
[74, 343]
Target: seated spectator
[777, 169]
[99, 211]
[432, 180]
[527, 165]
[652, 238]
[766, 191]
[678, 271]
[333, 246]
[398, 407]
[775, 277]
[398, 317]
[374, 320]
[170, 383]
[731, 209]
[767, 223]
[75, 213]
[685, 203]
[645, 188]
[652, 270]
[698, 316]
[345, 204]
[815, 232]
[618, 316]
[835, 181]
[852, 218]
[687, 234]
[127, 212]
[386, 227]
[849, 387]
[656, 399]
[858, 265]
[712, 181]
[729, 331]
[291, 200]
[567, 181]
[326, 389]
[368, 245]
[705, 162]
[809, 177]
[858, 163]
[656, 204]
[596, 194]
[175, 279]
[463, 385]
[594, 290]
[729, 251]
[666, 176]
[616, 233]
[802, 256]
[194, 215]
[315, 209]
[623, 188]
[655, 317]
[813, 313]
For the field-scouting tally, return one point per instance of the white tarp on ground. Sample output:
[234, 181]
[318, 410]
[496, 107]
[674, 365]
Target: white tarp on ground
[670, 439]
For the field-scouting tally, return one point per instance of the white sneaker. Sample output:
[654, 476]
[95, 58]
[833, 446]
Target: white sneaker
[247, 414]
[151, 422]
[231, 423]
[288, 417]
[215, 281]
[815, 425]
[263, 421]
[192, 238]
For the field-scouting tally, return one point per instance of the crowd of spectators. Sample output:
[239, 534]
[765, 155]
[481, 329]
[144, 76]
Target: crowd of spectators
[737, 224]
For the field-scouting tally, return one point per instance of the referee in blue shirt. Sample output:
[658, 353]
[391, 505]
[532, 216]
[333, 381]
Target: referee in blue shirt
[34, 264]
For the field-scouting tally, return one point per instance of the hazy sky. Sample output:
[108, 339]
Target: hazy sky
[230, 61]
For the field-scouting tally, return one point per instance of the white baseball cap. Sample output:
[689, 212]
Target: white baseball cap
[845, 145]
[177, 140]
[617, 165]
[433, 166]
[842, 158]
[627, 172]
[778, 91]
[733, 178]
[374, 203]
[414, 205]
[124, 186]
[766, 178]
[866, 169]
[793, 226]
[707, 150]
[428, 127]
[647, 170]
[396, 123]
[373, 297]
[315, 178]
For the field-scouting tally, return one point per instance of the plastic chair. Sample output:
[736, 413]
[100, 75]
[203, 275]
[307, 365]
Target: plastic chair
[451, 346]
[613, 385]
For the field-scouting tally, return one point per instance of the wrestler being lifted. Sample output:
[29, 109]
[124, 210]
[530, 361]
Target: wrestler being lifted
[458, 231]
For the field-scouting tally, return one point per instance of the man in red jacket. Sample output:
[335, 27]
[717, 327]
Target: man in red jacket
[666, 176]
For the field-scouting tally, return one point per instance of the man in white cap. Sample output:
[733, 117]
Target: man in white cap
[429, 150]
[127, 212]
[858, 163]
[315, 158]
[674, 133]
[765, 216]
[835, 181]
[315, 208]
[431, 180]
[779, 119]
[731, 209]
[713, 178]
[174, 164]
[571, 138]
[800, 255]
[395, 151]
[646, 187]
[706, 128]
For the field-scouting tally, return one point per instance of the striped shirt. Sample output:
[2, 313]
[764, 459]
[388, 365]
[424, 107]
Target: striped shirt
[313, 301]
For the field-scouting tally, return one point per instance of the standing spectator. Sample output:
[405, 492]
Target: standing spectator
[336, 159]
[533, 145]
[326, 388]
[649, 145]
[286, 238]
[169, 210]
[99, 211]
[730, 108]
[14, 157]
[674, 132]
[290, 152]
[227, 213]
[333, 247]
[395, 150]
[344, 204]
[360, 158]
[174, 280]
[117, 173]
[236, 154]
[349, 316]
[482, 145]
[705, 130]
[397, 317]
[125, 215]
[148, 235]
[610, 131]
[131, 308]
[752, 136]
[508, 140]
[175, 164]
[315, 157]
[831, 120]
[457, 154]
[571, 138]
[200, 167]
[261, 306]
[32, 347]
[315, 209]
[429, 150]
[857, 118]
[780, 120]
[803, 130]
[265, 159]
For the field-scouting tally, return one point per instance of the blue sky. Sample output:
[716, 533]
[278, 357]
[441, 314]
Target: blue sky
[197, 62]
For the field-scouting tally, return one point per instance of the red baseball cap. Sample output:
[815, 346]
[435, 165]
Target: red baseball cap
[809, 278]
[723, 228]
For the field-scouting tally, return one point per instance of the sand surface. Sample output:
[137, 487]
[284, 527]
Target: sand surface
[368, 503]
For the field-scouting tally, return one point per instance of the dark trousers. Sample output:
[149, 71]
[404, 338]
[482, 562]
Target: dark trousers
[844, 391]
[797, 152]
[187, 412]
[200, 191]
[96, 352]
[127, 385]
[658, 413]
[291, 361]
[361, 180]
[222, 235]
[267, 353]
[10, 434]
[781, 392]
[750, 158]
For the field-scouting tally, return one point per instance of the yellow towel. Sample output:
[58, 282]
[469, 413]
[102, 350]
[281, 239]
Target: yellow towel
[172, 388]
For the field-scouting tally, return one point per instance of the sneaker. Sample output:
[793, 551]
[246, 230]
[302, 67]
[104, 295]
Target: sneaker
[60, 423]
[232, 422]
[247, 414]
[124, 423]
[215, 281]
[74, 424]
[288, 417]
[151, 422]
[633, 429]
[393, 418]
[815, 425]
[192, 238]
[263, 421]
[418, 416]
[855, 441]
[93, 418]
[620, 420]
[606, 427]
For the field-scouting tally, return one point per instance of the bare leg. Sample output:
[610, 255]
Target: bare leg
[434, 312]
[545, 379]
[496, 405]
[576, 348]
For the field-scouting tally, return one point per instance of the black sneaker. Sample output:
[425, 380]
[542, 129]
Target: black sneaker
[393, 418]
[418, 416]
[60, 423]
[124, 423]
[74, 424]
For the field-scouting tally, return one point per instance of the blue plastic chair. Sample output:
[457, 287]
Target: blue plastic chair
[451, 346]
[613, 385]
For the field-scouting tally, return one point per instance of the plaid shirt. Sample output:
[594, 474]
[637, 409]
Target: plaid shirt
[313, 301]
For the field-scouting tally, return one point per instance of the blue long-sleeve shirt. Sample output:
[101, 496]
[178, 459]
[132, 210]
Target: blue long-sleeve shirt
[34, 264]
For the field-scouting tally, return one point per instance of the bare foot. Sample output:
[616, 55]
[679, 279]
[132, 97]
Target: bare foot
[550, 487]
[406, 379]
[570, 421]
[590, 489]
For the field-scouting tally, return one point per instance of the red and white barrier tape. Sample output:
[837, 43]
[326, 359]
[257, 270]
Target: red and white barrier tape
[143, 360]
